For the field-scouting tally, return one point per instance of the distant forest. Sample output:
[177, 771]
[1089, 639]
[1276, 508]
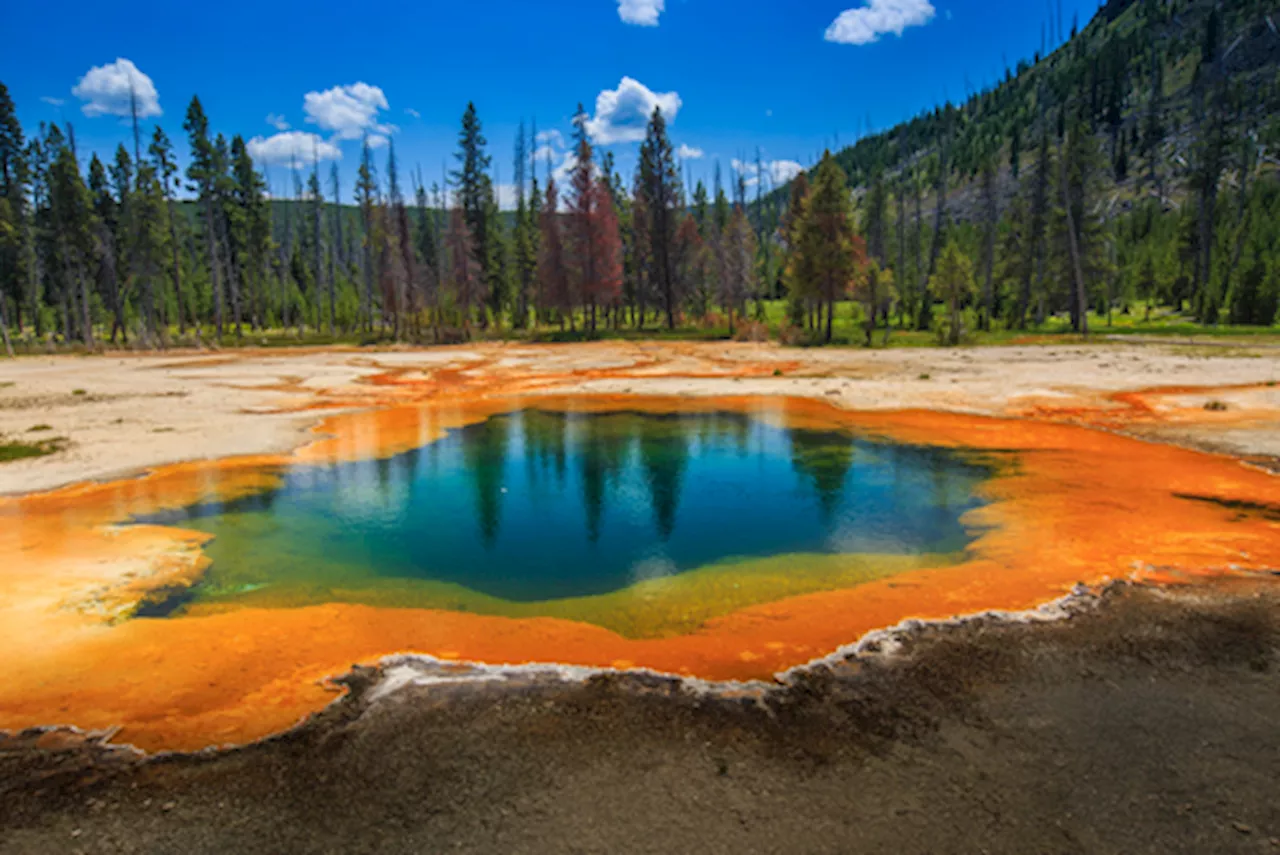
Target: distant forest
[1132, 168]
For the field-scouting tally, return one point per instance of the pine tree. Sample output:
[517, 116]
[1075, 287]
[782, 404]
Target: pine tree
[641, 261]
[14, 213]
[877, 203]
[1036, 193]
[119, 269]
[401, 274]
[701, 208]
[1153, 129]
[107, 234]
[366, 199]
[42, 262]
[738, 281]
[659, 182]
[464, 270]
[475, 195]
[226, 220]
[338, 250]
[606, 250]
[203, 173]
[253, 218]
[72, 225]
[828, 253]
[955, 285]
[427, 243]
[499, 276]
[797, 283]
[1209, 160]
[161, 151]
[581, 201]
[906, 298]
[1079, 228]
[990, 224]
[315, 199]
[523, 244]
[552, 273]
[695, 267]
[874, 289]
[151, 240]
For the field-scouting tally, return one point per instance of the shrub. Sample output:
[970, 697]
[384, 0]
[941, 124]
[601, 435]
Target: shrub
[751, 331]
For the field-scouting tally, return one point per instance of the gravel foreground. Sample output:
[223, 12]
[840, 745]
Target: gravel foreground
[1146, 722]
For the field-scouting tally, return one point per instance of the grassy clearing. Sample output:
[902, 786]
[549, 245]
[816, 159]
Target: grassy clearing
[21, 449]
[771, 315]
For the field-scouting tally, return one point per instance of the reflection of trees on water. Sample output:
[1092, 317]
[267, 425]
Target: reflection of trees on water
[604, 444]
[664, 453]
[544, 436]
[724, 431]
[823, 460]
[384, 467]
[484, 451]
[257, 501]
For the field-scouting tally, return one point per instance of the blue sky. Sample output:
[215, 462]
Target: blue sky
[789, 78]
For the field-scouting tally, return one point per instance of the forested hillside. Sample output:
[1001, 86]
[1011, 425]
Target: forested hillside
[1132, 169]
[1135, 164]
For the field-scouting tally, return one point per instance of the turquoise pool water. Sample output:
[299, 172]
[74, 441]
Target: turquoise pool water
[536, 505]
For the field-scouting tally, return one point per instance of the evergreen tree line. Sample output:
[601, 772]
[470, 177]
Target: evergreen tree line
[112, 251]
[1082, 206]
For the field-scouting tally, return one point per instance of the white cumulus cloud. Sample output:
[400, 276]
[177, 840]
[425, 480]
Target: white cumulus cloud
[109, 90]
[551, 137]
[292, 146]
[50, 100]
[782, 171]
[867, 23]
[277, 121]
[689, 152]
[544, 153]
[642, 13]
[348, 111]
[622, 113]
[777, 172]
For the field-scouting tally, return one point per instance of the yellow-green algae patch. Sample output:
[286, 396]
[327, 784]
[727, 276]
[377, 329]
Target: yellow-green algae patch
[662, 607]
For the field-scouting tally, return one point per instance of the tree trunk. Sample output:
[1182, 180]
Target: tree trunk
[918, 280]
[989, 250]
[901, 271]
[213, 266]
[86, 318]
[1081, 301]
[336, 242]
[368, 277]
[4, 329]
[935, 246]
[177, 270]
[318, 252]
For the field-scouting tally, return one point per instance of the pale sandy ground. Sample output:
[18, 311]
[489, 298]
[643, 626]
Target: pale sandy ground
[139, 411]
